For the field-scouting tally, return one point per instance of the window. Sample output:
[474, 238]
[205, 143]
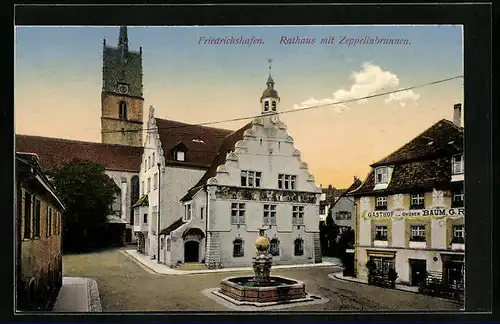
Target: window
[123, 110]
[383, 264]
[27, 215]
[162, 242]
[49, 223]
[322, 209]
[266, 105]
[155, 181]
[250, 179]
[298, 247]
[381, 203]
[286, 181]
[274, 105]
[145, 219]
[187, 210]
[169, 247]
[142, 188]
[274, 247]
[381, 175]
[149, 162]
[458, 164]
[153, 159]
[201, 212]
[458, 234]
[237, 213]
[417, 201]
[457, 199]
[133, 215]
[36, 221]
[417, 233]
[145, 164]
[180, 156]
[269, 214]
[343, 215]
[298, 215]
[154, 220]
[149, 185]
[381, 233]
[238, 248]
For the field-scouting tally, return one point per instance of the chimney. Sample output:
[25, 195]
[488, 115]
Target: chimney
[457, 115]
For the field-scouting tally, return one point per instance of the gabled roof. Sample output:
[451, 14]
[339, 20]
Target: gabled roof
[441, 139]
[57, 152]
[201, 142]
[30, 163]
[175, 225]
[419, 165]
[226, 146]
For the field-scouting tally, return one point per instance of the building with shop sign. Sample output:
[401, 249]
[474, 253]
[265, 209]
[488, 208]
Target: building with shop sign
[410, 213]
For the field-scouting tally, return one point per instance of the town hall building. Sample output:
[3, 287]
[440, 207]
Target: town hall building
[255, 179]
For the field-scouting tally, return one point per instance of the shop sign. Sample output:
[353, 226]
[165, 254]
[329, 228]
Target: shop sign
[432, 213]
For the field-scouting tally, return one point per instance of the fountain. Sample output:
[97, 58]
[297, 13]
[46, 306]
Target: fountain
[262, 289]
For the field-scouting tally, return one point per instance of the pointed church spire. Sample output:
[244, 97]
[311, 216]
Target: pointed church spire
[123, 39]
[270, 81]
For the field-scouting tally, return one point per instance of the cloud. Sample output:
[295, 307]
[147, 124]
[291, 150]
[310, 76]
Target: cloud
[402, 97]
[369, 81]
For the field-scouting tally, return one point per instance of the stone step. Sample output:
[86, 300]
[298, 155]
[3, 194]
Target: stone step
[191, 266]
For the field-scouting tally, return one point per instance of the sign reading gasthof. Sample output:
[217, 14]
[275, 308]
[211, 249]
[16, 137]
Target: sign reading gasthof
[436, 212]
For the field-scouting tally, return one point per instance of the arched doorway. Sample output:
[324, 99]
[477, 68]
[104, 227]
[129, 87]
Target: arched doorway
[191, 251]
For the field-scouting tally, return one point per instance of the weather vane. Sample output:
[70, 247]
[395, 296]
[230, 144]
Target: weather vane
[270, 60]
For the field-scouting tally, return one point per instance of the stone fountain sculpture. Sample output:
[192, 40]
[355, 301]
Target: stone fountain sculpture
[263, 260]
[262, 289]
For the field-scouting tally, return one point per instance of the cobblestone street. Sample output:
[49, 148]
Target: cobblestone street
[124, 285]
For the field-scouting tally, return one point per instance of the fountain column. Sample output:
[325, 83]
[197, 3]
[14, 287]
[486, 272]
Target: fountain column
[263, 260]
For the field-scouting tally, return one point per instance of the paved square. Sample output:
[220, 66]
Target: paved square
[124, 286]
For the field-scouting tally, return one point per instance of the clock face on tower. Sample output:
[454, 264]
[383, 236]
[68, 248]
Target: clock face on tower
[122, 88]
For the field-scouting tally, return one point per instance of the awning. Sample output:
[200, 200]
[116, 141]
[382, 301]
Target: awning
[381, 254]
[143, 201]
[194, 231]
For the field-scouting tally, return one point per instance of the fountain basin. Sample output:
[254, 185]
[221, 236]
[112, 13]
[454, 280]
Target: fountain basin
[277, 289]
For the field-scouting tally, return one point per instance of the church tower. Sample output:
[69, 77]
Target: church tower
[121, 97]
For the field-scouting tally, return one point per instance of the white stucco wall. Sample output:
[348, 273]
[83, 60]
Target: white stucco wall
[268, 149]
[345, 204]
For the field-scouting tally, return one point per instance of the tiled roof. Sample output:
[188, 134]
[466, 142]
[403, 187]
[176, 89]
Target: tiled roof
[201, 142]
[57, 152]
[226, 146]
[417, 165]
[441, 139]
[175, 225]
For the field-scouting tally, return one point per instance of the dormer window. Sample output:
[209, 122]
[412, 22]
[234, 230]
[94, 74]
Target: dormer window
[179, 152]
[457, 163]
[266, 105]
[381, 175]
[274, 105]
[180, 156]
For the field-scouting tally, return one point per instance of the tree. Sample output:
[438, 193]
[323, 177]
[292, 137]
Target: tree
[328, 233]
[88, 194]
[346, 241]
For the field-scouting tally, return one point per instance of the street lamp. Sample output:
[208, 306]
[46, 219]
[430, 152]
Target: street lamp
[158, 214]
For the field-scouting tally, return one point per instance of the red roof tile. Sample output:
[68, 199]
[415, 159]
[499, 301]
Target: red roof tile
[201, 142]
[226, 146]
[56, 152]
